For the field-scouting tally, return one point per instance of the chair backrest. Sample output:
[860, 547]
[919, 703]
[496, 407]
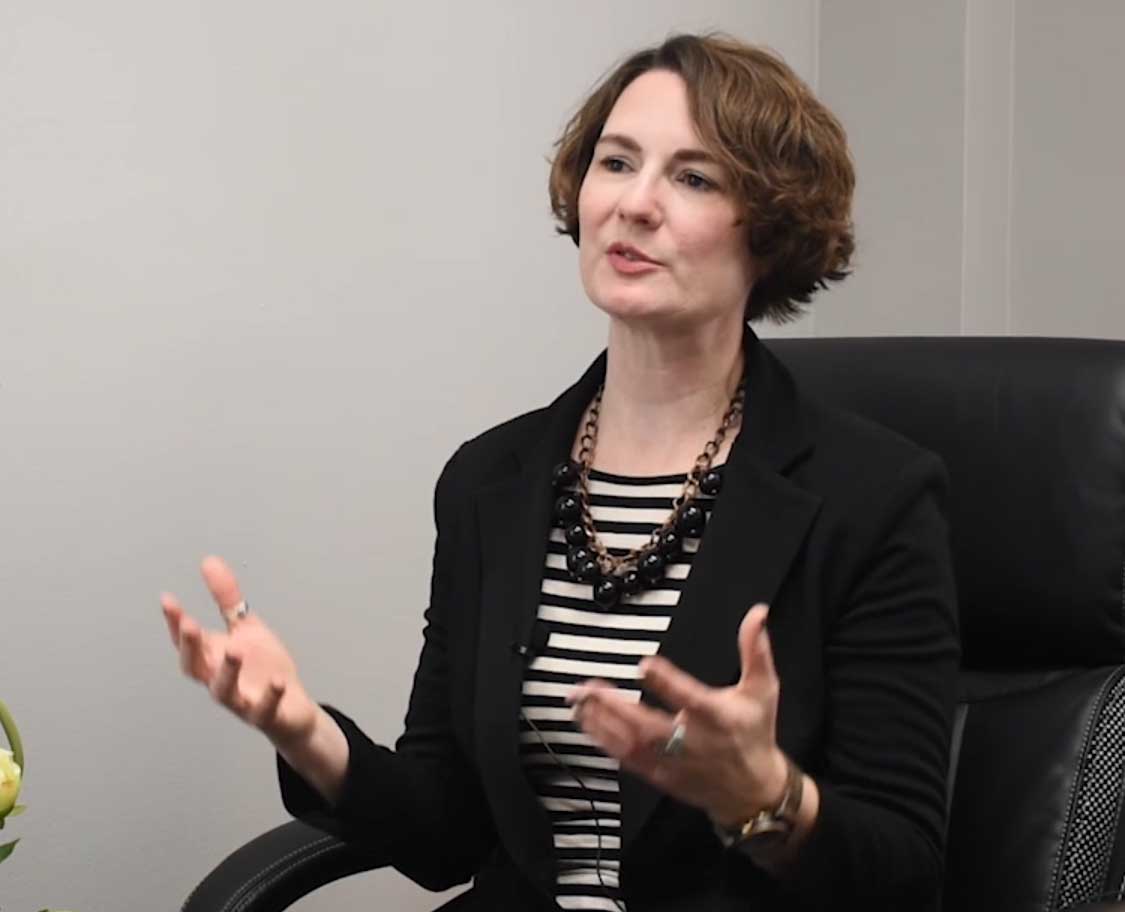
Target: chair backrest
[1032, 431]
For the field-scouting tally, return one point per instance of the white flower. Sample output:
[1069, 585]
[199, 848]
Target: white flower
[10, 777]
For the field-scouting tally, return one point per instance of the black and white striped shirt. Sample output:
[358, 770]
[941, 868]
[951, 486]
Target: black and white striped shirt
[585, 642]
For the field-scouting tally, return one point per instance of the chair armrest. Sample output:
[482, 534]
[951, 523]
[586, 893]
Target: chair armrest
[276, 869]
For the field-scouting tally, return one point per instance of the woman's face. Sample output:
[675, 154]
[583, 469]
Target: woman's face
[652, 187]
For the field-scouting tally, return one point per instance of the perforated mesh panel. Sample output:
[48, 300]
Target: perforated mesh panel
[1092, 830]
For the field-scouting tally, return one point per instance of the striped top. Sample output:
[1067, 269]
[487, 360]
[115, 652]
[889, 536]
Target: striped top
[583, 642]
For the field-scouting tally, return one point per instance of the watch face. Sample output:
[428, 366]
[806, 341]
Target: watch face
[766, 824]
[764, 841]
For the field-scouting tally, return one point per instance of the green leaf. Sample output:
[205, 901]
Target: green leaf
[8, 724]
[6, 849]
[17, 810]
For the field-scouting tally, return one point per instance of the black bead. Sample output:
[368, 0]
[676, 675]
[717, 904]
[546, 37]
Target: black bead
[692, 520]
[587, 571]
[576, 534]
[670, 544]
[711, 483]
[565, 474]
[576, 556]
[607, 591]
[651, 567]
[567, 509]
[631, 582]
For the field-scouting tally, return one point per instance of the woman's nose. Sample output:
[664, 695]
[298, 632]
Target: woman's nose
[639, 202]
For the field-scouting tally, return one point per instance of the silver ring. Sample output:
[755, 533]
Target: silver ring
[240, 610]
[674, 746]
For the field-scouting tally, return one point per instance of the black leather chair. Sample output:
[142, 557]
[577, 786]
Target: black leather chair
[1033, 434]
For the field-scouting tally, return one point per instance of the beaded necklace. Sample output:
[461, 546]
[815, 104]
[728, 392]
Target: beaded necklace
[588, 560]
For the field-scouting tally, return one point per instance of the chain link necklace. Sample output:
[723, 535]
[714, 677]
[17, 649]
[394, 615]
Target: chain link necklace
[613, 576]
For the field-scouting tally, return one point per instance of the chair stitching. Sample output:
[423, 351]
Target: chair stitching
[1072, 798]
[257, 874]
[262, 887]
[314, 848]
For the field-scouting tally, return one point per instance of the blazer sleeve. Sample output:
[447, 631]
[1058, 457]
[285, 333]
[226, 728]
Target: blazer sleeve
[892, 655]
[421, 805]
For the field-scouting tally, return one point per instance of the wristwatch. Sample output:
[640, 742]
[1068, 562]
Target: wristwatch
[769, 828]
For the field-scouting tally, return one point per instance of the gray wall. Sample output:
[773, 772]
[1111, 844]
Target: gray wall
[991, 180]
[262, 268]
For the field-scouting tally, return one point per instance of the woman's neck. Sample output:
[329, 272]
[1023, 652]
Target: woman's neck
[665, 396]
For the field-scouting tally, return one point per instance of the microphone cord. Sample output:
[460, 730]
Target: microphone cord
[593, 808]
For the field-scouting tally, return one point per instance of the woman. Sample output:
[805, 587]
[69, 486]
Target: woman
[597, 720]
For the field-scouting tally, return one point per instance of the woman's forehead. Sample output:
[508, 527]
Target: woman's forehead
[653, 112]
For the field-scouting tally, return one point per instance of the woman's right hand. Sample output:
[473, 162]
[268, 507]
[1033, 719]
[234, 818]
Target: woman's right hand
[246, 668]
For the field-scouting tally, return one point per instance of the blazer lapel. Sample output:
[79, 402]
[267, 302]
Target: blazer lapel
[757, 526]
[514, 515]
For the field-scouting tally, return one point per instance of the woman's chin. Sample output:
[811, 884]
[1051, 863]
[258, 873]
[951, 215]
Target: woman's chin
[632, 308]
[666, 320]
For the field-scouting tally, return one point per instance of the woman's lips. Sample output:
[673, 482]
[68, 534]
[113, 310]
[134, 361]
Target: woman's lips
[626, 266]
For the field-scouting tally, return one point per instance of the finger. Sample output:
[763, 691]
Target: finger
[676, 688]
[638, 744]
[192, 656]
[648, 727]
[616, 736]
[662, 764]
[581, 692]
[224, 588]
[173, 616]
[265, 712]
[754, 648]
[224, 686]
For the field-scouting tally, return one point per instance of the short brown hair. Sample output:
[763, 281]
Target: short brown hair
[786, 152]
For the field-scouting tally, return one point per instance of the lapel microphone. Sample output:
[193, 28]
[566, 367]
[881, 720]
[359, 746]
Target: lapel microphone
[537, 642]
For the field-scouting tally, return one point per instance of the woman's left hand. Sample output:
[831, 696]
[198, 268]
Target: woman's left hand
[728, 762]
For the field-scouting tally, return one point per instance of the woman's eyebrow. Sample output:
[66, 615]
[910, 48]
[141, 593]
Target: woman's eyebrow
[680, 155]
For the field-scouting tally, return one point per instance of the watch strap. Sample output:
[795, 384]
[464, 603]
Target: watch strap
[778, 820]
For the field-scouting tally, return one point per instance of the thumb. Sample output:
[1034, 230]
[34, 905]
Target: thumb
[753, 645]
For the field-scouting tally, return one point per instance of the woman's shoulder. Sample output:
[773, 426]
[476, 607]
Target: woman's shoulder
[491, 454]
[857, 464]
[844, 452]
[843, 435]
[507, 437]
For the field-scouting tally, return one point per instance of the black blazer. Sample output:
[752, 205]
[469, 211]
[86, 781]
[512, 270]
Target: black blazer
[836, 522]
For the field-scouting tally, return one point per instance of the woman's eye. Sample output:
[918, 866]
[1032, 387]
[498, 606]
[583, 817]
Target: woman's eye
[697, 181]
[616, 165]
